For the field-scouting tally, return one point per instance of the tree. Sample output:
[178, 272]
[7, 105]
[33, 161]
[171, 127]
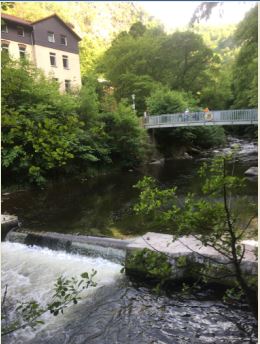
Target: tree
[139, 85]
[6, 5]
[165, 101]
[203, 11]
[218, 95]
[216, 223]
[125, 137]
[28, 314]
[88, 96]
[42, 134]
[90, 51]
[185, 59]
[181, 60]
[131, 63]
[245, 83]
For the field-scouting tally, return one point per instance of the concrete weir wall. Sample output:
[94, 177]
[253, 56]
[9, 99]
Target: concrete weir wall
[108, 248]
[177, 256]
[185, 255]
[8, 222]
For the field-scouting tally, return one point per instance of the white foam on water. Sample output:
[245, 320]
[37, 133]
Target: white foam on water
[30, 273]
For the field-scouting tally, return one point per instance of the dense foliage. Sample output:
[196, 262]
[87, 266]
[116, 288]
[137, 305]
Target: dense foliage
[141, 62]
[125, 136]
[245, 80]
[46, 133]
[164, 101]
[216, 224]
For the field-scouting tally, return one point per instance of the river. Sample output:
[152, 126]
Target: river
[116, 311]
[103, 206]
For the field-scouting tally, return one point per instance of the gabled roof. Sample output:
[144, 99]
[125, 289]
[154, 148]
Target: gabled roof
[15, 19]
[62, 22]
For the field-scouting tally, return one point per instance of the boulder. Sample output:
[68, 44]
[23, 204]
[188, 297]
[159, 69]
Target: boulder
[157, 162]
[252, 171]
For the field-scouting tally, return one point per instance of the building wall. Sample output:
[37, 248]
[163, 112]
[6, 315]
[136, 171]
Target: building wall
[42, 55]
[38, 48]
[12, 33]
[14, 50]
[53, 24]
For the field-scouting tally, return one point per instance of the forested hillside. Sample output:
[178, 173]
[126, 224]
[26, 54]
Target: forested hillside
[97, 23]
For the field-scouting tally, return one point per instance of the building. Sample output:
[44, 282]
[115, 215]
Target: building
[49, 43]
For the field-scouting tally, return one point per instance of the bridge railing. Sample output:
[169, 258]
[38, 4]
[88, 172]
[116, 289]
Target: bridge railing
[239, 115]
[215, 117]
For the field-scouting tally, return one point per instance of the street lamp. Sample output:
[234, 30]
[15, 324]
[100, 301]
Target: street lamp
[133, 105]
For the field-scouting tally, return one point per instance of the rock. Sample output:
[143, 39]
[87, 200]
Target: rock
[252, 171]
[157, 162]
[187, 156]
[193, 150]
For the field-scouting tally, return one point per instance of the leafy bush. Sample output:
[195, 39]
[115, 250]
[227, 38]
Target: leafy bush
[149, 264]
[42, 134]
[126, 138]
[216, 224]
[89, 102]
[165, 101]
[46, 133]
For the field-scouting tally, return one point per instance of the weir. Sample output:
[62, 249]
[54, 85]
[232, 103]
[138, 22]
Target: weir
[108, 248]
[8, 222]
[122, 251]
[114, 311]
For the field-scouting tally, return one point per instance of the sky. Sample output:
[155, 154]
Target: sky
[175, 14]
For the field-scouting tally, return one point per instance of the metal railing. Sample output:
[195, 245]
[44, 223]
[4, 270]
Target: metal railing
[223, 117]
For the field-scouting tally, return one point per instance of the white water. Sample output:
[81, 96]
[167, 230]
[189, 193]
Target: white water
[30, 273]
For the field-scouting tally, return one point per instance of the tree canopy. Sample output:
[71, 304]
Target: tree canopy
[245, 83]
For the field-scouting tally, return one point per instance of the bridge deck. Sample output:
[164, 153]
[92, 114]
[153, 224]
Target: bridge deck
[223, 117]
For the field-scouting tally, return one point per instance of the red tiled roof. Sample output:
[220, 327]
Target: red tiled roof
[15, 19]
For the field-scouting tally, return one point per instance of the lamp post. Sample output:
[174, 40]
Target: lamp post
[133, 105]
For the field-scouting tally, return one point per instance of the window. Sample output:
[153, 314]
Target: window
[5, 48]
[53, 59]
[51, 37]
[20, 31]
[4, 28]
[67, 85]
[65, 61]
[22, 52]
[63, 40]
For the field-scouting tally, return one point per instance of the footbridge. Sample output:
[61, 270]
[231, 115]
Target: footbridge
[191, 119]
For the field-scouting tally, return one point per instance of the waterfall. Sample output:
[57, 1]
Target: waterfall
[30, 273]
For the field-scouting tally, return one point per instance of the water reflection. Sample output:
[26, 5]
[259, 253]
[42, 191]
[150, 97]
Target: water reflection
[103, 206]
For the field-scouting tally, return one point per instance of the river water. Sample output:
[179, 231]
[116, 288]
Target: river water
[115, 311]
[103, 206]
